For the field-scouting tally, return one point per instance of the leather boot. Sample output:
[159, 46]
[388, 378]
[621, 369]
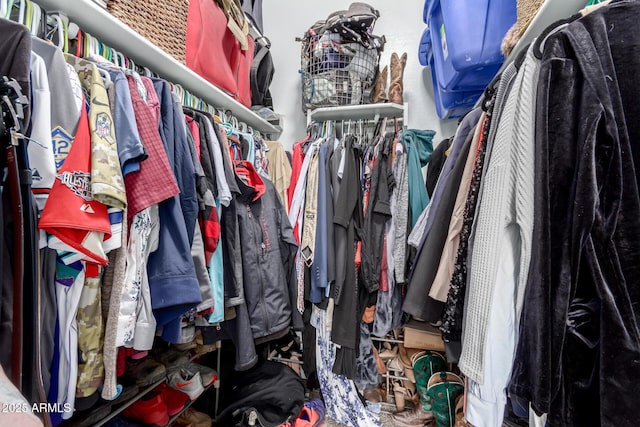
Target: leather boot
[397, 72]
[443, 390]
[379, 93]
[417, 417]
[423, 369]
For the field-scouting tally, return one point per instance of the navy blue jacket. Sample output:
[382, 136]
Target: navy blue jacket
[172, 275]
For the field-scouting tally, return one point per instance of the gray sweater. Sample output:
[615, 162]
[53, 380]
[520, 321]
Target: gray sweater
[507, 202]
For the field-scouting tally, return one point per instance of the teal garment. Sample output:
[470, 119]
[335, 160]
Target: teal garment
[419, 146]
[216, 275]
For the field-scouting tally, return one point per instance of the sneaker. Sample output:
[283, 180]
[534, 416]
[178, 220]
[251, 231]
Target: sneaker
[174, 399]
[312, 414]
[207, 375]
[182, 422]
[173, 360]
[196, 419]
[185, 346]
[187, 382]
[145, 372]
[151, 409]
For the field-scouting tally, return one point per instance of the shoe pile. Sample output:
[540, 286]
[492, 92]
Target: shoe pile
[156, 407]
[192, 379]
[438, 391]
[312, 415]
[186, 381]
[193, 418]
[287, 351]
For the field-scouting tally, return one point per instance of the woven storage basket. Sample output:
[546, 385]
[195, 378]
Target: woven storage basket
[527, 10]
[163, 22]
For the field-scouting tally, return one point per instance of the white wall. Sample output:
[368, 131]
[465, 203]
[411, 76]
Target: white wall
[400, 22]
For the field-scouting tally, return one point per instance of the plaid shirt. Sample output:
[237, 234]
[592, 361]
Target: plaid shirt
[155, 182]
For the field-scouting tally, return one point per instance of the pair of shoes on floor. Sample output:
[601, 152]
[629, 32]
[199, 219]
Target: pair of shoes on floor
[378, 394]
[312, 415]
[173, 359]
[417, 417]
[147, 370]
[192, 379]
[144, 372]
[288, 350]
[156, 407]
[404, 391]
[193, 418]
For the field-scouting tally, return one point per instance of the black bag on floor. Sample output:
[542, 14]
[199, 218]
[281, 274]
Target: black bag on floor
[266, 395]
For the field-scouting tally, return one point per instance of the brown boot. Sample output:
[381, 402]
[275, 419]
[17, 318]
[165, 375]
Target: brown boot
[397, 72]
[417, 417]
[380, 88]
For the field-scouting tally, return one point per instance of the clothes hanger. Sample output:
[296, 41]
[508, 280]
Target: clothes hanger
[108, 54]
[37, 20]
[119, 60]
[57, 28]
[177, 89]
[228, 124]
[112, 55]
[95, 47]
[86, 45]
[234, 125]
[33, 19]
[28, 14]
[80, 44]
[4, 6]
[21, 11]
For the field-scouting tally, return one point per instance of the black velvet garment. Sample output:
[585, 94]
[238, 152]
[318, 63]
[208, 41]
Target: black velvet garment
[578, 355]
[346, 291]
[436, 162]
[377, 215]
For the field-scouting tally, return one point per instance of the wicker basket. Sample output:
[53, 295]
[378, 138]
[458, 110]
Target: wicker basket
[163, 22]
[527, 10]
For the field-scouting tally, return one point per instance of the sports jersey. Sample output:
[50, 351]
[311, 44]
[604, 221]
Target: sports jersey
[64, 111]
[72, 215]
[69, 285]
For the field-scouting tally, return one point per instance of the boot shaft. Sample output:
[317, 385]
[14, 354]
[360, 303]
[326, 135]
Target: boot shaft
[380, 88]
[396, 85]
[443, 390]
[423, 368]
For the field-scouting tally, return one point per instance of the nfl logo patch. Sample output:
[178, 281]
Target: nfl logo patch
[103, 126]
